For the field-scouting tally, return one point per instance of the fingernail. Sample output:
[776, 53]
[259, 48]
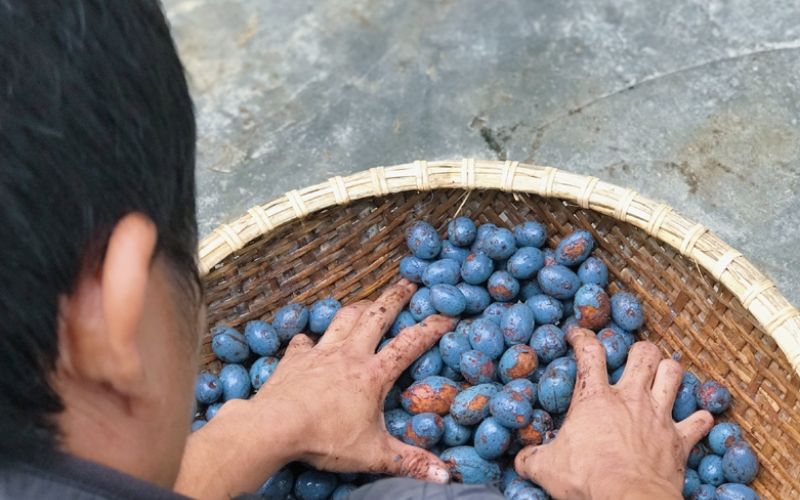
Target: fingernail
[438, 475]
[406, 283]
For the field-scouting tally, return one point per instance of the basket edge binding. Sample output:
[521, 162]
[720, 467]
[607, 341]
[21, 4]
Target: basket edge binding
[776, 316]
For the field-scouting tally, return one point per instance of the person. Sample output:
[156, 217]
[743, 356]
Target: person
[100, 309]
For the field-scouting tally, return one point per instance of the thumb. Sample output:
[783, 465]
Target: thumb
[531, 463]
[411, 461]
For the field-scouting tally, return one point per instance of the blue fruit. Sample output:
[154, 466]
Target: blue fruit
[487, 337]
[468, 467]
[404, 320]
[207, 388]
[342, 492]
[555, 390]
[517, 324]
[322, 313]
[616, 375]
[424, 430]
[723, 436]
[569, 323]
[685, 401]
[442, 271]
[549, 343]
[392, 399]
[593, 270]
[315, 485]
[279, 485]
[546, 310]
[627, 311]
[525, 490]
[574, 248]
[502, 286]
[262, 338]
[455, 434]
[518, 361]
[696, 454]
[592, 307]
[290, 320]
[471, 405]
[528, 289]
[537, 373]
[740, 464]
[511, 409]
[235, 382]
[261, 370]
[549, 257]
[627, 336]
[447, 299]
[713, 396]
[491, 439]
[691, 482]
[500, 244]
[476, 297]
[453, 252]
[495, 311]
[615, 346]
[420, 304]
[482, 236]
[395, 421]
[530, 234]
[710, 470]
[452, 374]
[434, 394]
[476, 268]
[704, 492]
[525, 263]
[462, 231]
[734, 491]
[198, 424]
[523, 386]
[558, 281]
[212, 410]
[427, 365]
[463, 326]
[477, 367]
[451, 346]
[229, 345]
[423, 240]
[412, 268]
[565, 364]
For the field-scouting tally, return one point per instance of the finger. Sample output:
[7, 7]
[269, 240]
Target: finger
[694, 428]
[410, 461]
[666, 384]
[344, 322]
[411, 343]
[378, 317]
[299, 344]
[531, 463]
[643, 361]
[590, 357]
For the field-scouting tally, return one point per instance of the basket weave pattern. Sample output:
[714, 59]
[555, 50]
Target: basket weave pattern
[352, 251]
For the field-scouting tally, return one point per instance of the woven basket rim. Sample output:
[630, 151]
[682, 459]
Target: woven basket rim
[760, 296]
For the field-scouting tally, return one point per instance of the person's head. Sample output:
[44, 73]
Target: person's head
[99, 296]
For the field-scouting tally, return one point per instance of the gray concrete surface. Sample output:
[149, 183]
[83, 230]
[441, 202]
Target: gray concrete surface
[693, 102]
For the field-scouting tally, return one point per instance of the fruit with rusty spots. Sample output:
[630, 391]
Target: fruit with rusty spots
[525, 263]
[558, 281]
[519, 361]
[592, 307]
[262, 338]
[574, 248]
[734, 491]
[476, 367]
[523, 386]
[502, 286]
[549, 257]
[476, 268]
[446, 271]
[468, 467]
[424, 430]
[455, 434]
[322, 313]
[315, 485]
[546, 309]
[476, 298]
[530, 234]
[710, 470]
[739, 464]
[722, 436]
[491, 439]
[565, 364]
[229, 345]
[395, 421]
[549, 343]
[412, 268]
[487, 337]
[615, 346]
[290, 320]
[423, 240]
[261, 370]
[528, 288]
[427, 365]
[691, 482]
[627, 311]
[713, 396]
[495, 311]
[533, 434]
[594, 271]
[434, 394]
[453, 252]
[471, 405]
[448, 300]
[462, 231]
[420, 304]
[482, 236]
[707, 492]
[404, 320]
[685, 402]
[555, 390]
[451, 346]
[500, 244]
[207, 388]
[627, 336]
[517, 324]
[511, 409]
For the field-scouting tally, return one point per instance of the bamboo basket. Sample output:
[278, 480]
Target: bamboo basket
[702, 299]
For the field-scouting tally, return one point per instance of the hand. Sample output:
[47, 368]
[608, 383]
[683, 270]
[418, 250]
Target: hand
[618, 441]
[323, 406]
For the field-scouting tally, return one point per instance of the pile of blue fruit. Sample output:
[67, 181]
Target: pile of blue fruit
[503, 379]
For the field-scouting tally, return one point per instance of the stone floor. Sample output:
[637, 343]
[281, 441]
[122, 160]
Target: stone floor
[693, 102]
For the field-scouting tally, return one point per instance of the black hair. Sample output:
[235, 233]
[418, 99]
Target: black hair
[96, 122]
